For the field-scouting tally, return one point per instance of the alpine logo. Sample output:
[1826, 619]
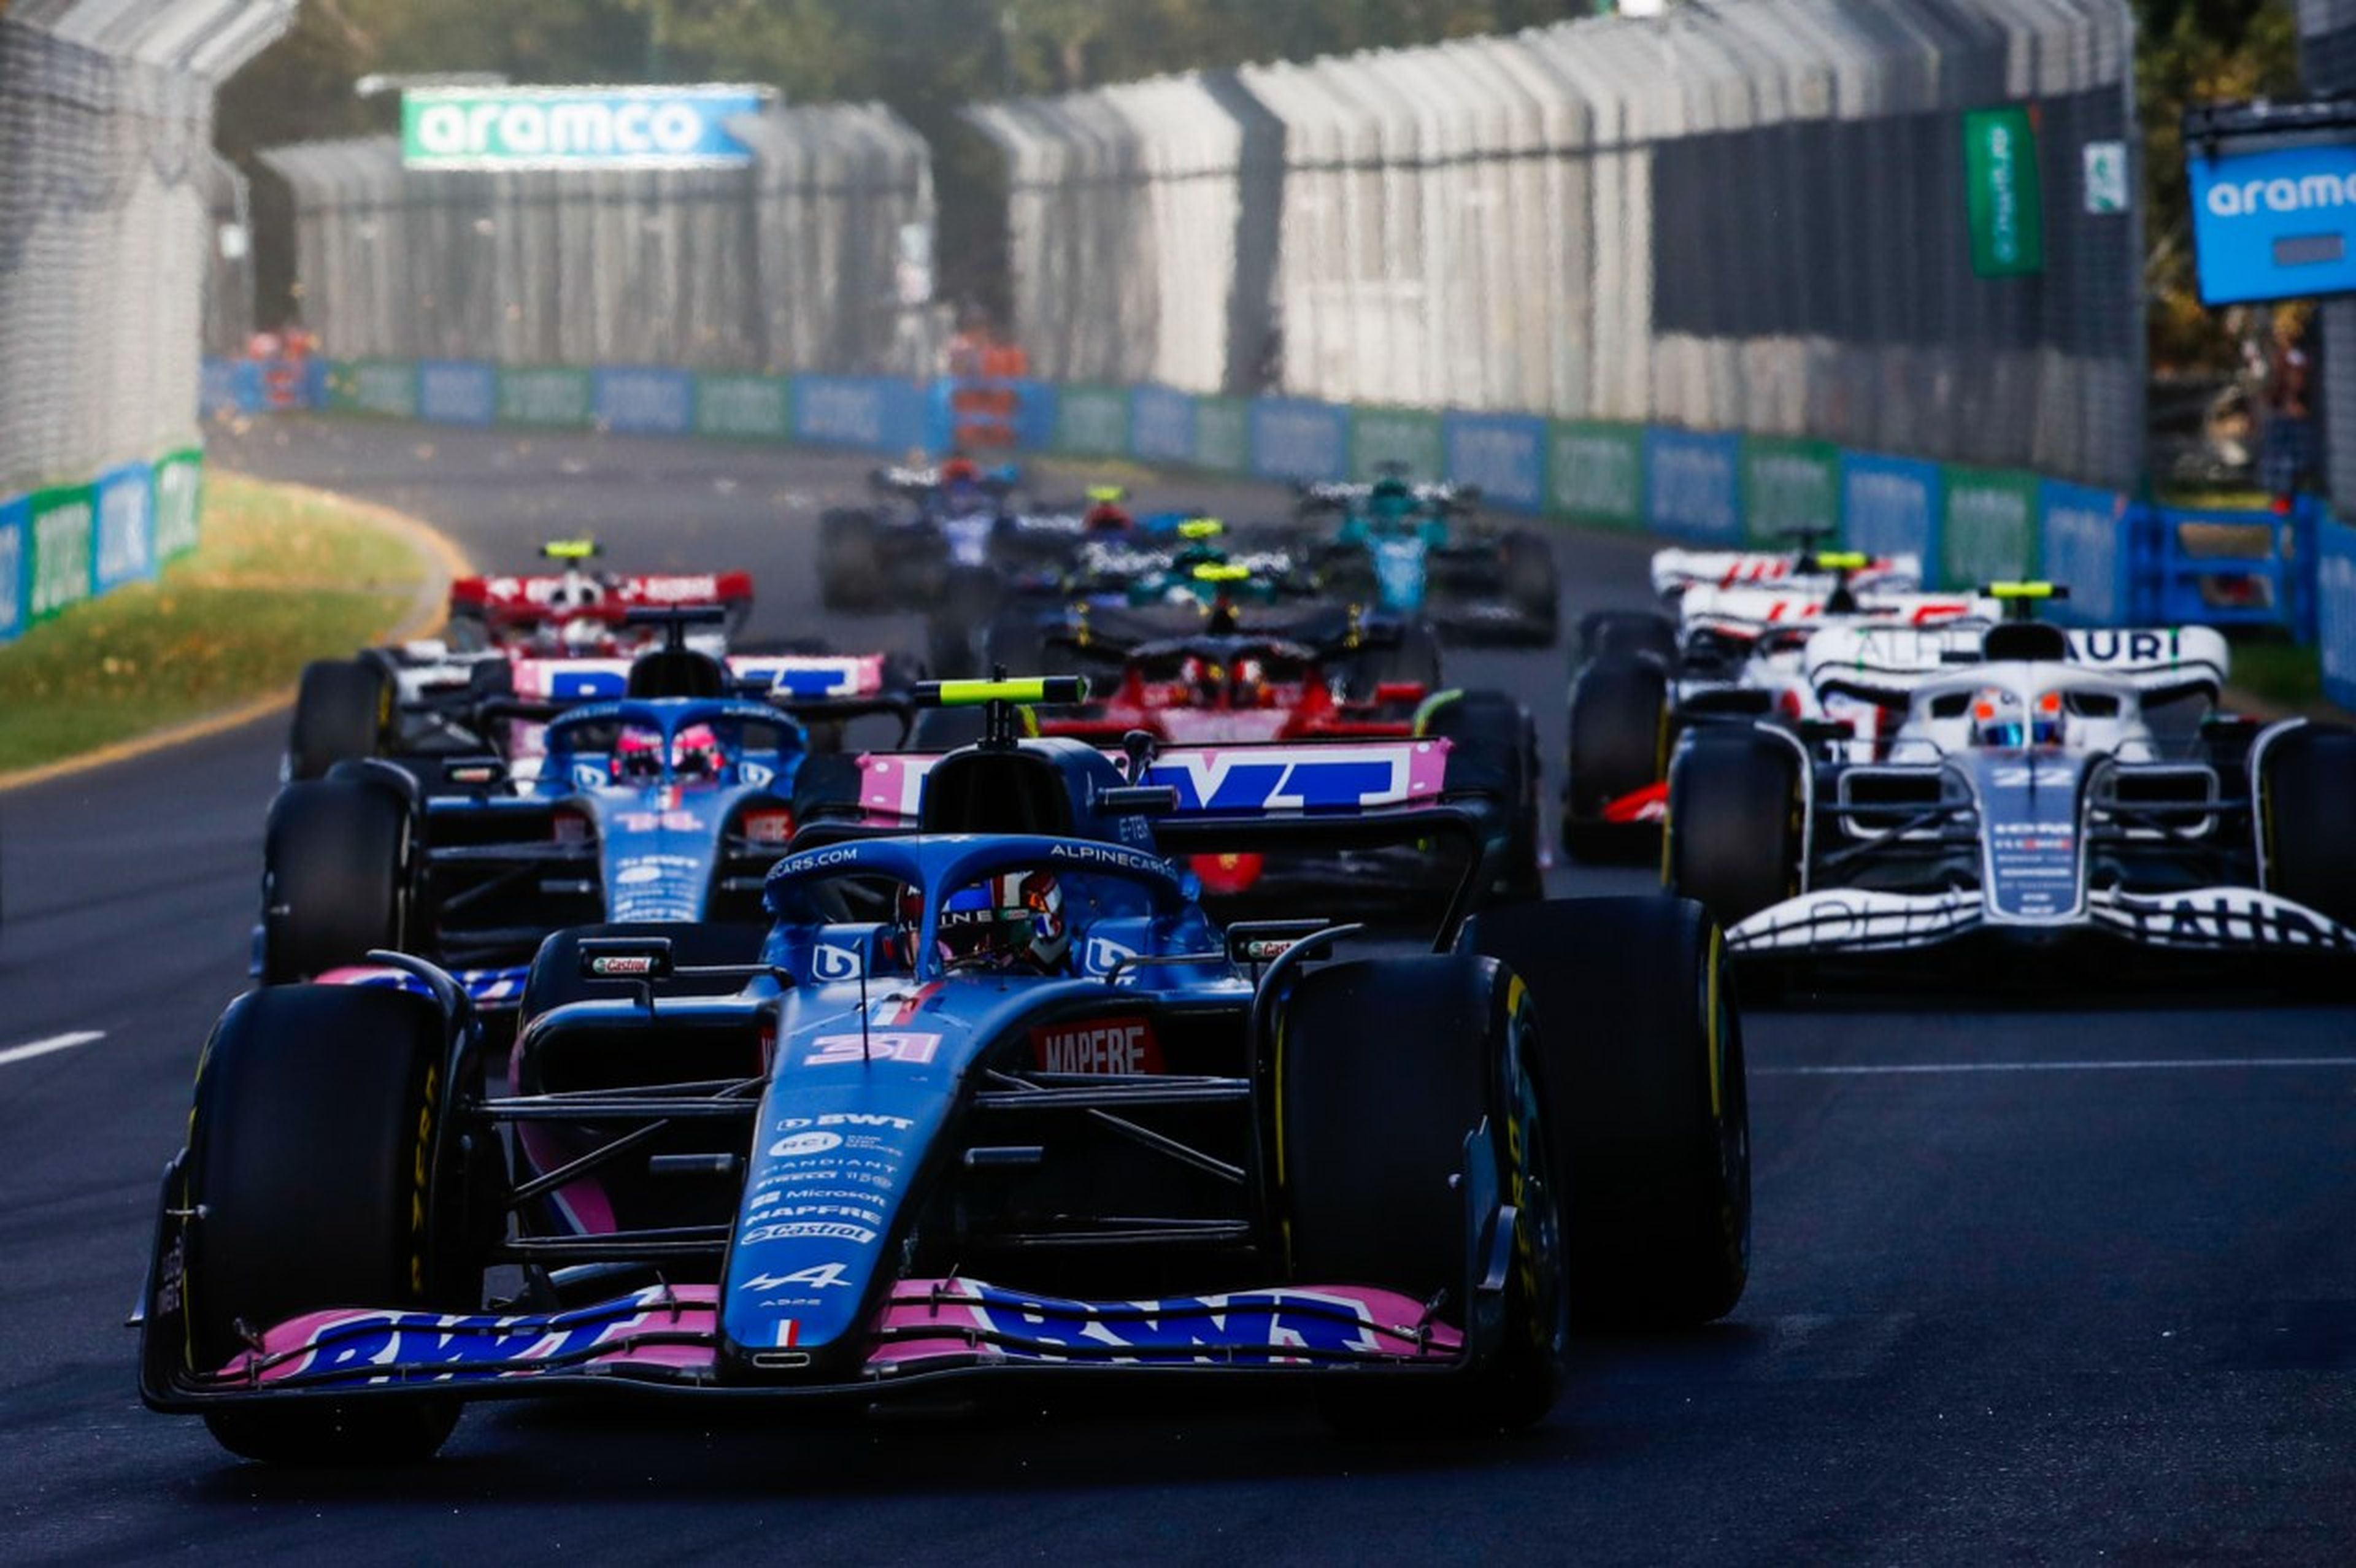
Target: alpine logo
[828, 962]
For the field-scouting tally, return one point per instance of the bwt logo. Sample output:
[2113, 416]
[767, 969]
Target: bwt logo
[1246, 784]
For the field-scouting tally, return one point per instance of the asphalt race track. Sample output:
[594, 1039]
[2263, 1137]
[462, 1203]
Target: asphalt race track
[2053, 1276]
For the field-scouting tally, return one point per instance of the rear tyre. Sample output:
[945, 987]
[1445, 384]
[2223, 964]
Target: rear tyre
[312, 1156]
[850, 561]
[1634, 633]
[1532, 585]
[2306, 818]
[343, 711]
[335, 877]
[1734, 824]
[826, 784]
[1639, 1060]
[1494, 751]
[1382, 1072]
[1619, 728]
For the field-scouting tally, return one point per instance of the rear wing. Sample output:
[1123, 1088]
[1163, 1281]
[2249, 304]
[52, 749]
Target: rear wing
[539, 592]
[1293, 794]
[1749, 611]
[1676, 570]
[1884, 664]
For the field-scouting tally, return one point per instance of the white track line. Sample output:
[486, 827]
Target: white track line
[55, 1042]
[1886, 1070]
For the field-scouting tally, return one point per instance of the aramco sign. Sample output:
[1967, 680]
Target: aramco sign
[577, 127]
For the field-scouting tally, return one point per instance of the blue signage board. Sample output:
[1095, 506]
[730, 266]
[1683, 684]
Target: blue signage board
[1293, 438]
[1502, 453]
[1889, 506]
[458, 392]
[16, 566]
[1693, 484]
[2274, 222]
[577, 127]
[637, 400]
[2086, 548]
[2335, 608]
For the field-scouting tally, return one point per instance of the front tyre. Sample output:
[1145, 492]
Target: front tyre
[1385, 1072]
[314, 1150]
[1640, 1057]
[342, 711]
[336, 880]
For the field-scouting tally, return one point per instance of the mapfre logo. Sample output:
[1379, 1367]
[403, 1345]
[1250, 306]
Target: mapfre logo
[1098, 1046]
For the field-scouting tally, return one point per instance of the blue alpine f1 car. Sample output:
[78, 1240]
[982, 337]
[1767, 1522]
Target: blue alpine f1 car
[660, 792]
[996, 1100]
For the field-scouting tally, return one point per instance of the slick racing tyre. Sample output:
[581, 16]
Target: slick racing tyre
[315, 1176]
[1619, 728]
[336, 876]
[343, 711]
[1644, 634]
[850, 561]
[2306, 818]
[1493, 752]
[1383, 1069]
[1532, 585]
[1734, 823]
[1640, 1062]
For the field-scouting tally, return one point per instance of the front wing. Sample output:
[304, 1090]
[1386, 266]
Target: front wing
[664, 1337]
[2236, 920]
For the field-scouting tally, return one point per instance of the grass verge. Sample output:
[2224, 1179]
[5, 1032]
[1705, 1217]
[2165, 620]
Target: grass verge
[2281, 675]
[280, 579]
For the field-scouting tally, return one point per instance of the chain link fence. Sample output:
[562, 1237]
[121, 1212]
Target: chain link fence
[1745, 214]
[107, 187]
[786, 263]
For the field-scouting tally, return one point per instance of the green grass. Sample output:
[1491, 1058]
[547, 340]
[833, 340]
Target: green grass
[280, 579]
[2282, 673]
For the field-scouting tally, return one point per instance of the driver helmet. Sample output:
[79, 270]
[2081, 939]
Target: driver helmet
[1251, 689]
[1107, 517]
[696, 753]
[960, 471]
[638, 757]
[1391, 499]
[1013, 920]
[1999, 719]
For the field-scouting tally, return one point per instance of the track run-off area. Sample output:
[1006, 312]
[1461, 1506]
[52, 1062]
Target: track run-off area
[2055, 1273]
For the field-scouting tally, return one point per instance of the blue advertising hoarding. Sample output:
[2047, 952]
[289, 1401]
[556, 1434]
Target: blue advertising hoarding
[2276, 222]
[16, 518]
[1889, 506]
[577, 127]
[2086, 539]
[458, 392]
[126, 526]
[1161, 425]
[1502, 453]
[2335, 608]
[879, 414]
[1295, 439]
[642, 402]
[1693, 484]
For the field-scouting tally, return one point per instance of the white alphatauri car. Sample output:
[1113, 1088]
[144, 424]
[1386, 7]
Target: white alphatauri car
[1733, 644]
[2038, 786]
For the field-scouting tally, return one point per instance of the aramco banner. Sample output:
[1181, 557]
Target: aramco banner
[577, 127]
